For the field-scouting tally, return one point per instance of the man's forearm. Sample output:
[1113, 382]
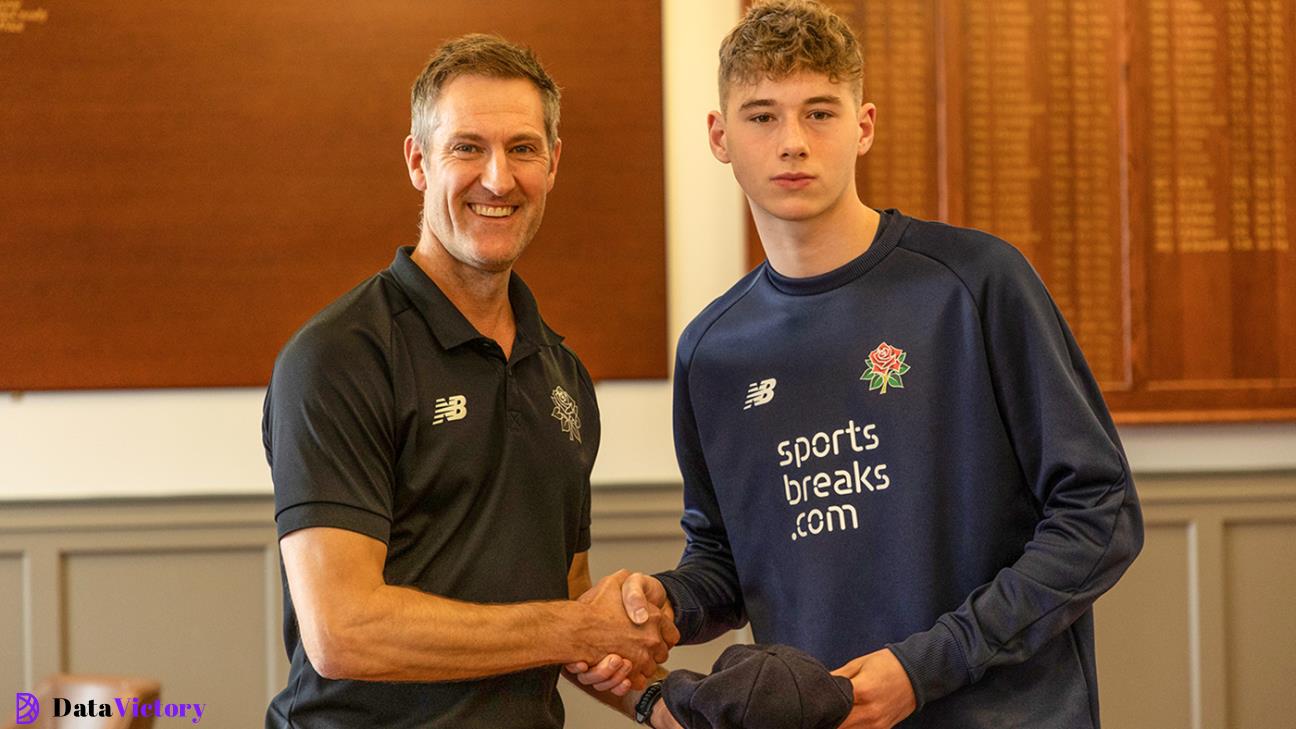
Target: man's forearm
[355, 626]
[401, 634]
[390, 633]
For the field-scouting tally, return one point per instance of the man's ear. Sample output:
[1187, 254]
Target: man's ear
[716, 136]
[414, 163]
[867, 126]
[553, 162]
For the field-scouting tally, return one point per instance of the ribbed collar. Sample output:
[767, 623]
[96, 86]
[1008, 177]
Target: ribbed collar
[449, 325]
[891, 225]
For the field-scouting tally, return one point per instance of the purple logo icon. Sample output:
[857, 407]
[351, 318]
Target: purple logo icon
[28, 708]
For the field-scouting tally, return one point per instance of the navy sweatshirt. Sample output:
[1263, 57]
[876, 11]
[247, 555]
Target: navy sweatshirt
[910, 452]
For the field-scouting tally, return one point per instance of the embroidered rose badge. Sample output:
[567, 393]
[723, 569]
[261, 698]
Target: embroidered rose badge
[886, 365]
[566, 413]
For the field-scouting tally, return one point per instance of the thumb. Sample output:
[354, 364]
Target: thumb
[850, 669]
[634, 599]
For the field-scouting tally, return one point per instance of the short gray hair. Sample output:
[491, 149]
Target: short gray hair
[479, 54]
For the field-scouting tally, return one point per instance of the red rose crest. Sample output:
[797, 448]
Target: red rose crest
[886, 365]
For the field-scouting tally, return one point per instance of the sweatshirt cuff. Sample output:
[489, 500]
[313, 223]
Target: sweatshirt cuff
[688, 613]
[935, 663]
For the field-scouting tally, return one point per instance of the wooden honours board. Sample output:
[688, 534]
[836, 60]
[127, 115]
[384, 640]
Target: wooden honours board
[1035, 159]
[1213, 181]
[903, 166]
[183, 184]
[1139, 153]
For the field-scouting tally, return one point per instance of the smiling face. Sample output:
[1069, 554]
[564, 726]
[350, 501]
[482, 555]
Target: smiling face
[485, 172]
[793, 143]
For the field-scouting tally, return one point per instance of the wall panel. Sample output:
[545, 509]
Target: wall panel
[1261, 605]
[1196, 635]
[1144, 635]
[173, 613]
[12, 621]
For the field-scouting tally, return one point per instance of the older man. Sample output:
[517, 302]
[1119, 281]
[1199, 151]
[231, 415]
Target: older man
[431, 441]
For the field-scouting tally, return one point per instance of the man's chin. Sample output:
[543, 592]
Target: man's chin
[495, 261]
[485, 251]
[495, 266]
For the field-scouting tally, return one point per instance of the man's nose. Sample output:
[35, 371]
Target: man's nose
[497, 177]
[793, 144]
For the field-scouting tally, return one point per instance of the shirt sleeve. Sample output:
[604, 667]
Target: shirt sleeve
[703, 589]
[1090, 528]
[328, 428]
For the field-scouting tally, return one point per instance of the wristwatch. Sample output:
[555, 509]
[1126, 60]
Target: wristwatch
[649, 699]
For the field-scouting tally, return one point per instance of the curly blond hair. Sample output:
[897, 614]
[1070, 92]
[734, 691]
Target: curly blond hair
[778, 38]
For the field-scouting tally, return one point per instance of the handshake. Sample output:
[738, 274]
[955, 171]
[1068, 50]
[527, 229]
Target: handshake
[626, 632]
[628, 629]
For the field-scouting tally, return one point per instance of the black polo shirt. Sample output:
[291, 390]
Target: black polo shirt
[388, 414]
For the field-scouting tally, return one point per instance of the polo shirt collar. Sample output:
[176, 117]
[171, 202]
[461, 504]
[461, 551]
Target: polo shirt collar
[449, 325]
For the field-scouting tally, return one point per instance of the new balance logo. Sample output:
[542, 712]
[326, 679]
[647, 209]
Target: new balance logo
[454, 407]
[759, 393]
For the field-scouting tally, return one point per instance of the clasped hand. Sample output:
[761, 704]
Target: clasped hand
[883, 694]
[636, 610]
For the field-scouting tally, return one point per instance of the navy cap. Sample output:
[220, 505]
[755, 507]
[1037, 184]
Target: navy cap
[759, 687]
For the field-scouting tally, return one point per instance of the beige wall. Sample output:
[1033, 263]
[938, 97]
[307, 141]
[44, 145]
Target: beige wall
[1198, 635]
[1199, 632]
[187, 591]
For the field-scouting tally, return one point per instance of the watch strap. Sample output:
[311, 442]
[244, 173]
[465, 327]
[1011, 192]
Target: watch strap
[644, 707]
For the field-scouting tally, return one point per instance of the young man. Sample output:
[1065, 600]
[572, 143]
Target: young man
[894, 455]
[431, 440]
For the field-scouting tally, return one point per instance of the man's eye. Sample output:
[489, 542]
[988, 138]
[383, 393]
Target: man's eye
[524, 149]
[763, 118]
[464, 149]
[820, 115]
